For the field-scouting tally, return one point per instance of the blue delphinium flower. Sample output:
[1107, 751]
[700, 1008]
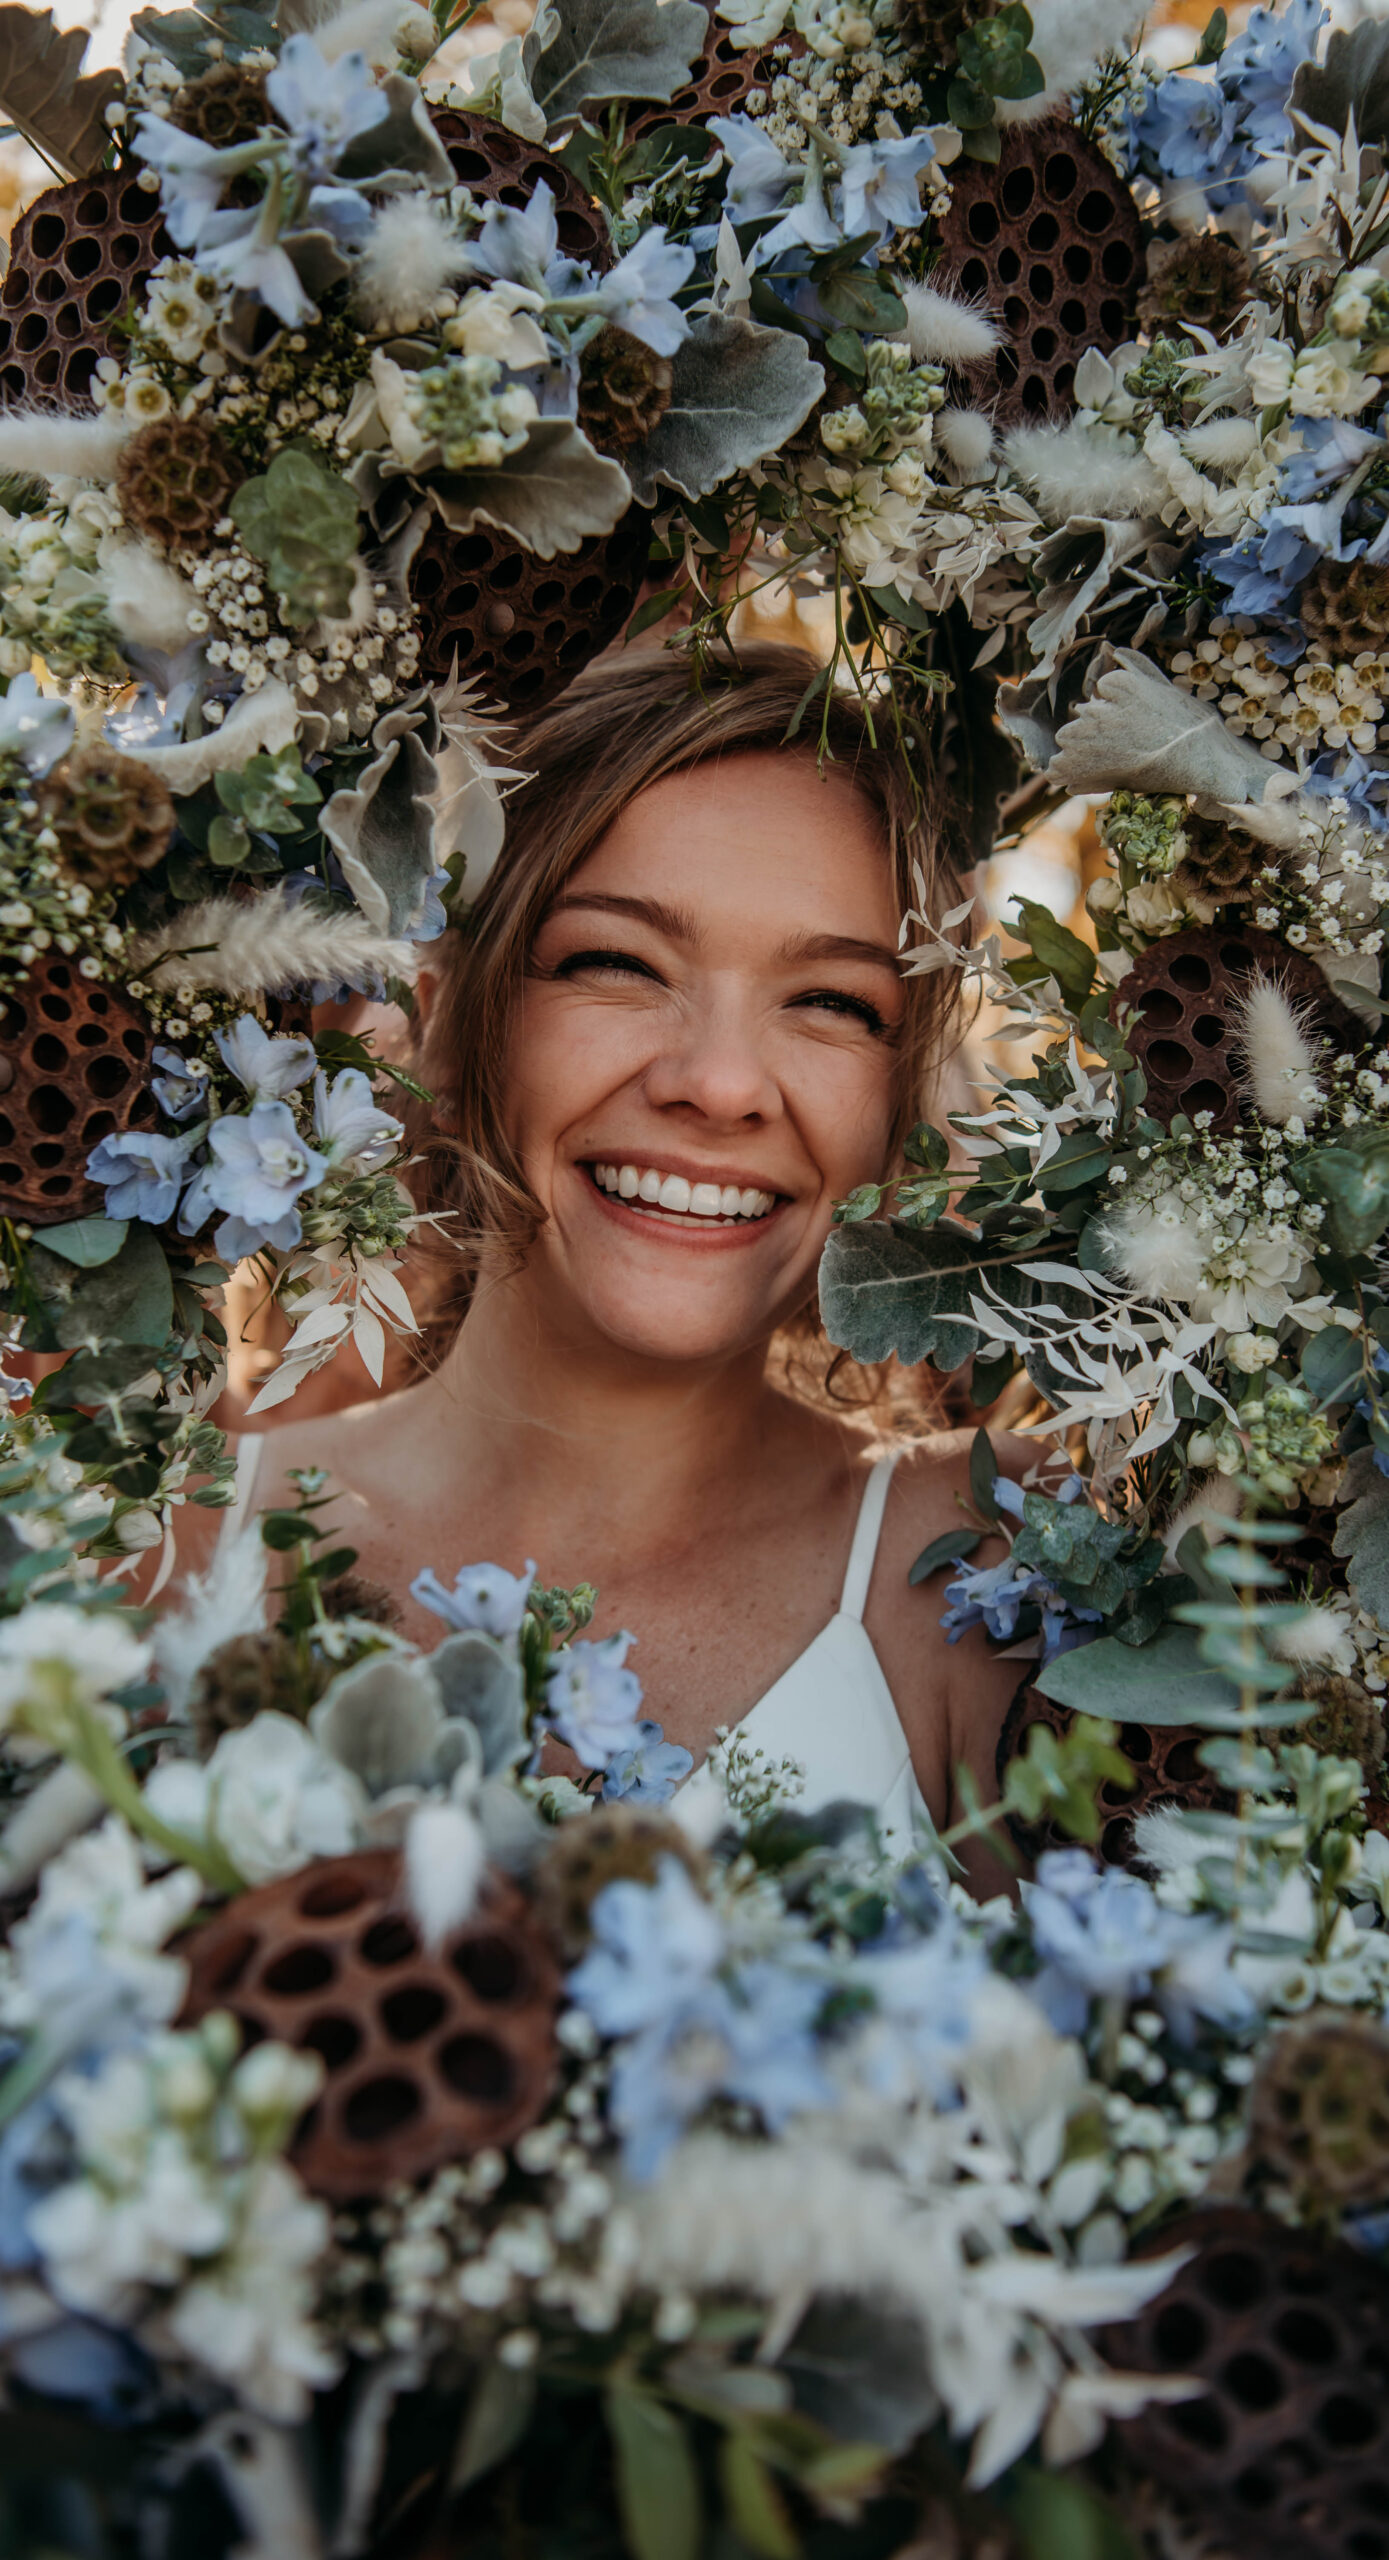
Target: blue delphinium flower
[1102, 1934]
[878, 185]
[1186, 129]
[349, 1122]
[994, 1596]
[635, 294]
[751, 2042]
[1348, 777]
[324, 107]
[653, 1946]
[142, 1173]
[759, 180]
[1259, 65]
[260, 1166]
[34, 725]
[649, 1771]
[1215, 130]
[924, 1989]
[592, 1702]
[181, 1090]
[482, 1596]
[268, 1067]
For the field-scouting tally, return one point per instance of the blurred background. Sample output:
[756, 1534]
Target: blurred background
[1052, 861]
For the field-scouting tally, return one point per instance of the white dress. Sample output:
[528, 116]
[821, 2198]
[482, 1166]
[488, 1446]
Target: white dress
[832, 1711]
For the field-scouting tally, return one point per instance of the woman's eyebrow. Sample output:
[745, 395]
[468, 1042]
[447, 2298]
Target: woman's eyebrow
[840, 946]
[676, 923]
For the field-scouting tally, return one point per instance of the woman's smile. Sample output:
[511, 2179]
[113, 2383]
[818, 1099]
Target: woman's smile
[703, 1207]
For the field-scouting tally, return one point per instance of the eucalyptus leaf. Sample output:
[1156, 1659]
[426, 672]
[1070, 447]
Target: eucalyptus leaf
[737, 392]
[754, 2501]
[1362, 1535]
[861, 2371]
[87, 1241]
[551, 494]
[497, 2417]
[44, 94]
[948, 1548]
[126, 1299]
[612, 49]
[1333, 1363]
[889, 1290]
[1165, 1682]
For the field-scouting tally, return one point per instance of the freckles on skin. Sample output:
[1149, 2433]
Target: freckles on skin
[715, 994]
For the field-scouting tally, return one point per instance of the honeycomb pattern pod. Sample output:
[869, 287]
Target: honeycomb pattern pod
[520, 626]
[74, 1061]
[1165, 1771]
[499, 168]
[76, 258]
[428, 2057]
[1187, 991]
[1285, 2453]
[1049, 239]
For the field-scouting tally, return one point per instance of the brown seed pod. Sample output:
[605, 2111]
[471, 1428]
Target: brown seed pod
[719, 84]
[1319, 2108]
[1285, 2454]
[624, 391]
[76, 258]
[225, 104]
[499, 168]
[1344, 608]
[614, 1842]
[1187, 992]
[1165, 1771]
[1221, 863]
[73, 1066]
[1199, 278]
[521, 626]
[249, 1675]
[174, 480]
[111, 815]
[428, 2057]
[1049, 238]
[935, 27]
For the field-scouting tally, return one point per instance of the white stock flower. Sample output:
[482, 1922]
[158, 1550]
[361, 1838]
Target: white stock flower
[52, 1653]
[1324, 386]
[248, 2319]
[496, 321]
[270, 1796]
[1269, 373]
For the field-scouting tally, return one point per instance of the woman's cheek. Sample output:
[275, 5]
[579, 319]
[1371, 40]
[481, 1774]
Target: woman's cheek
[847, 1102]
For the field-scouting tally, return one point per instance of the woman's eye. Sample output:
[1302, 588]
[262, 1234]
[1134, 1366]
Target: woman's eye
[851, 1008]
[603, 964]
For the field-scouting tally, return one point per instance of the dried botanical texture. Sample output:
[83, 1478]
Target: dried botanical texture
[518, 626]
[616, 1842]
[112, 817]
[1344, 607]
[1348, 1721]
[427, 2057]
[225, 104]
[1049, 240]
[1200, 279]
[174, 479]
[1165, 1768]
[499, 168]
[719, 83]
[1188, 993]
[1284, 2454]
[624, 390]
[1220, 863]
[73, 1069]
[77, 259]
[245, 1677]
[352, 1595]
[1319, 2109]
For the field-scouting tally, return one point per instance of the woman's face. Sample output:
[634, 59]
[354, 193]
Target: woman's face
[703, 1060]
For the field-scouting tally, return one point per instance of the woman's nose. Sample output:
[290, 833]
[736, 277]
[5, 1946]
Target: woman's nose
[712, 1061]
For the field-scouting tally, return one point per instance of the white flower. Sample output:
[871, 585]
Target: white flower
[496, 322]
[1269, 373]
[146, 397]
[1323, 386]
[94, 1901]
[248, 2319]
[1251, 1352]
[270, 1796]
[52, 1654]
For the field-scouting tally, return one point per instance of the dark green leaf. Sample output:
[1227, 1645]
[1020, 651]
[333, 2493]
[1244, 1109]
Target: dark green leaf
[1069, 960]
[856, 298]
[654, 610]
[929, 1147]
[982, 1471]
[87, 1241]
[1083, 1156]
[1165, 1682]
[1333, 1363]
[754, 2501]
[844, 347]
[657, 2483]
[949, 1548]
[1362, 1535]
[499, 2413]
[1212, 43]
[1354, 1187]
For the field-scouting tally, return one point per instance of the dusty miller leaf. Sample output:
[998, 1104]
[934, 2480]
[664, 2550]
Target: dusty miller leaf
[61, 114]
[551, 494]
[737, 392]
[613, 49]
[1362, 1535]
[1354, 79]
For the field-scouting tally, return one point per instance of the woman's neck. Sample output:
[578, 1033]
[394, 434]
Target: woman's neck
[637, 1445]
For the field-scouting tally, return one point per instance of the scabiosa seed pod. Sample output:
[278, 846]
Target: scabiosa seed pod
[247, 1676]
[1344, 606]
[624, 390]
[1201, 280]
[1319, 2108]
[353, 1596]
[1347, 1721]
[934, 27]
[1220, 863]
[112, 816]
[616, 1843]
[174, 479]
[225, 104]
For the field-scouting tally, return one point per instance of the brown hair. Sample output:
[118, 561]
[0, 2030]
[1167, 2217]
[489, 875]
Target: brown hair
[625, 724]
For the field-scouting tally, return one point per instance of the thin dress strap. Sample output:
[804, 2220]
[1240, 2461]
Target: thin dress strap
[863, 1553]
[248, 1457]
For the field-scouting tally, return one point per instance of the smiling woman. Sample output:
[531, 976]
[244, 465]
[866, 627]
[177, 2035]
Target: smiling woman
[674, 1032]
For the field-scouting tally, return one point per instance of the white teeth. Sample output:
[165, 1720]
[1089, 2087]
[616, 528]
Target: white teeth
[679, 1197]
